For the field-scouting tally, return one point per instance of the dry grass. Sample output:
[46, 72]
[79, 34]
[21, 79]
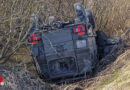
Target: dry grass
[112, 16]
[19, 78]
[121, 80]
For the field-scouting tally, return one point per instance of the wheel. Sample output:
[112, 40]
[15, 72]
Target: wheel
[37, 66]
[90, 18]
[101, 38]
[101, 42]
[81, 17]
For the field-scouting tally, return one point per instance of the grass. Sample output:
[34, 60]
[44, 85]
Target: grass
[108, 80]
[120, 79]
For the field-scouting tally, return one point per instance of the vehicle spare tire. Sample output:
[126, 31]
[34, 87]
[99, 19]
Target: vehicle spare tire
[90, 18]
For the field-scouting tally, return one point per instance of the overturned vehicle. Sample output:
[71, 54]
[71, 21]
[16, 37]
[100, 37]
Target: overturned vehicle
[66, 49]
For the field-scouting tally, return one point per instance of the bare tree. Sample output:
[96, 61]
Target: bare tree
[14, 24]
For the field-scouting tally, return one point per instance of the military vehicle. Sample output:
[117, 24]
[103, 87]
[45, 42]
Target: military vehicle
[66, 49]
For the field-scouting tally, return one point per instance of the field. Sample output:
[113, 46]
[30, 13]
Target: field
[111, 16]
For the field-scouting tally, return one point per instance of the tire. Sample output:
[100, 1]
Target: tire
[101, 43]
[37, 66]
[42, 75]
[90, 18]
[101, 38]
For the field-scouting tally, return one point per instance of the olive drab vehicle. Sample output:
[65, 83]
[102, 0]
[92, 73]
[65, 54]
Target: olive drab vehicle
[65, 49]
